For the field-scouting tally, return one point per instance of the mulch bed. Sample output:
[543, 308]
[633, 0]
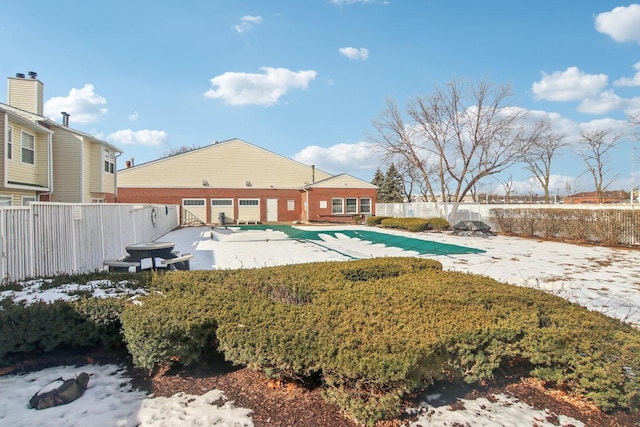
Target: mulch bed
[278, 404]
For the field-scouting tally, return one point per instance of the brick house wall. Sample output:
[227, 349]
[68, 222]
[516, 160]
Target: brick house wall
[174, 196]
[320, 207]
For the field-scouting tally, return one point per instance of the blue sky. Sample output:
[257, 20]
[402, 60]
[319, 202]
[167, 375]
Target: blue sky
[305, 79]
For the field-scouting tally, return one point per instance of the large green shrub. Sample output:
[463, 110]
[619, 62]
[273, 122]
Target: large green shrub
[377, 329]
[437, 223]
[43, 327]
[375, 220]
[409, 224]
[165, 328]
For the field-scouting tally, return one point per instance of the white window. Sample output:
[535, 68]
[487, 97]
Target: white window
[9, 142]
[291, 205]
[336, 206]
[28, 148]
[221, 202]
[26, 200]
[5, 200]
[249, 202]
[352, 205]
[109, 161]
[365, 205]
[193, 202]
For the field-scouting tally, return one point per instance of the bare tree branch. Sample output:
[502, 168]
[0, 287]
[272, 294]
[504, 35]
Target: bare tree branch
[539, 156]
[594, 149]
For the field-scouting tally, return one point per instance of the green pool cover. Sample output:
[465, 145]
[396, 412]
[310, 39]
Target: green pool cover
[405, 243]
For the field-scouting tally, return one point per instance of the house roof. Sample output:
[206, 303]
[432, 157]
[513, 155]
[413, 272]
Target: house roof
[17, 118]
[47, 124]
[232, 163]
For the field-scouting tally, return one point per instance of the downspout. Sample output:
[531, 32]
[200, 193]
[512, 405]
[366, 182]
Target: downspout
[82, 168]
[50, 166]
[5, 174]
[306, 202]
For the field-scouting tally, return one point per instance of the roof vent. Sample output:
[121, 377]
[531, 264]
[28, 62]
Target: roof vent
[20, 75]
[65, 119]
[32, 74]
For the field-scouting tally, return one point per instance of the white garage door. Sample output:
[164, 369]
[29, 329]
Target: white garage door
[194, 211]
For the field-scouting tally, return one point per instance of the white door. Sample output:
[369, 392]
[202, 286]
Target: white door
[272, 210]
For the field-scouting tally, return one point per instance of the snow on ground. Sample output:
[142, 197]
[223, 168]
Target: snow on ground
[602, 279]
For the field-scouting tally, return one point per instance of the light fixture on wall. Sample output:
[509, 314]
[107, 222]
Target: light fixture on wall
[205, 183]
[248, 183]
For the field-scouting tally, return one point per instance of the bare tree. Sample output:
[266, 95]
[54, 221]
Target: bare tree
[457, 136]
[539, 156]
[396, 141]
[179, 150]
[594, 149]
[507, 184]
[634, 120]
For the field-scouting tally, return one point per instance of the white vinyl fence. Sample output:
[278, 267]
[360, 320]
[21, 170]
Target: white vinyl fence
[482, 212]
[45, 239]
[465, 211]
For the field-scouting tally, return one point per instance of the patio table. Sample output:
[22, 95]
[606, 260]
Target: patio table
[153, 250]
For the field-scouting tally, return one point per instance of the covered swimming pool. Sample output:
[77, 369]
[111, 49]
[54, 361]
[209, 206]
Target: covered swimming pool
[405, 243]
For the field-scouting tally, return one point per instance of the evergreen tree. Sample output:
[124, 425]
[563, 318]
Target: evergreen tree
[378, 181]
[393, 185]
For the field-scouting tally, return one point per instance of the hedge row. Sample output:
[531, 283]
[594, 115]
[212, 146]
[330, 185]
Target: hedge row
[375, 330]
[604, 226]
[371, 330]
[410, 224]
[43, 327]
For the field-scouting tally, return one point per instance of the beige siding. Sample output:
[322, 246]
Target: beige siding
[42, 160]
[86, 170]
[36, 174]
[343, 181]
[102, 181]
[17, 196]
[108, 180]
[95, 166]
[4, 122]
[26, 94]
[229, 164]
[66, 167]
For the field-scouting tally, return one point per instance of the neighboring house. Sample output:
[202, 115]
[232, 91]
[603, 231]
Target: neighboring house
[47, 161]
[26, 162]
[617, 196]
[240, 182]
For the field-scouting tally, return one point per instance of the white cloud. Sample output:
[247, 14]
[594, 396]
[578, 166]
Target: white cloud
[571, 84]
[340, 158]
[247, 22]
[602, 103]
[134, 116]
[604, 124]
[258, 89]
[144, 137]
[558, 184]
[633, 106]
[621, 24]
[83, 105]
[354, 53]
[633, 81]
